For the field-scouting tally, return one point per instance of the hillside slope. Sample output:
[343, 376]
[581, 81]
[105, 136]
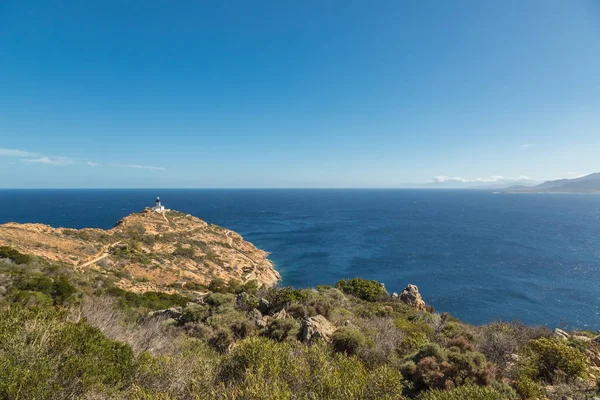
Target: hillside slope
[148, 251]
[586, 184]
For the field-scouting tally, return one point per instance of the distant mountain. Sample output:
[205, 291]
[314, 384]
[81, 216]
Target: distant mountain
[454, 184]
[586, 184]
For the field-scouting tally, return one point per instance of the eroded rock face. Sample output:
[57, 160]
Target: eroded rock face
[316, 328]
[411, 296]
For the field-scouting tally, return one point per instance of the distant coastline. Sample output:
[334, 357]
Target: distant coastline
[589, 184]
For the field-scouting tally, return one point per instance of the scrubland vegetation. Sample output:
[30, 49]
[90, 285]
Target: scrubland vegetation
[73, 335]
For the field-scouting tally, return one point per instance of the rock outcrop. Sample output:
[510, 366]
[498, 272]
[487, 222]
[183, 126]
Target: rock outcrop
[148, 251]
[316, 328]
[411, 296]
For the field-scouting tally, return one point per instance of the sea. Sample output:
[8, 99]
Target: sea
[480, 256]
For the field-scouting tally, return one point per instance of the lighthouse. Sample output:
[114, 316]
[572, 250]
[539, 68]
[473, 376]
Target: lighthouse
[158, 207]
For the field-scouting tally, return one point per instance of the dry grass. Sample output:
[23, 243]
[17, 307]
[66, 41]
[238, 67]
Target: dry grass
[150, 335]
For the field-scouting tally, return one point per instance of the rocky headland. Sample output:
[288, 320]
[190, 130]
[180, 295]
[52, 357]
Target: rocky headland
[148, 251]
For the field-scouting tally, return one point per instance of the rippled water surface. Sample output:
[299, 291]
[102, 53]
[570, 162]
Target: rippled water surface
[477, 255]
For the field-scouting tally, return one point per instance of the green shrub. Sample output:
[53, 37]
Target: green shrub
[528, 388]
[281, 329]
[219, 299]
[59, 289]
[548, 359]
[454, 329]
[436, 367]
[468, 392]
[242, 329]
[149, 300]
[384, 383]
[417, 333]
[34, 282]
[194, 313]
[234, 286]
[14, 255]
[361, 288]
[221, 341]
[91, 359]
[42, 356]
[218, 285]
[250, 287]
[62, 289]
[186, 252]
[27, 298]
[348, 340]
[282, 297]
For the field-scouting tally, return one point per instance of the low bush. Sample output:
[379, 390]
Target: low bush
[552, 361]
[218, 285]
[348, 340]
[219, 299]
[59, 289]
[68, 359]
[362, 288]
[186, 252]
[282, 297]
[281, 329]
[194, 313]
[221, 341]
[468, 392]
[148, 300]
[436, 367]
[14, 255]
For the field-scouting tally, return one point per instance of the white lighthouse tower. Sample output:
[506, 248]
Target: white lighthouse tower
[158, 207]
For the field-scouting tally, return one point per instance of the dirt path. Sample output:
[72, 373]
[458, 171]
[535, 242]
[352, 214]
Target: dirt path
[95, 260]
[101, 255]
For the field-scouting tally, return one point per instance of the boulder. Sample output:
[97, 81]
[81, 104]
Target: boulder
[316, 328]
[582, 338]
[394, 295]
[281, 314]
[596, 340]
[411, 296]
[258, 319]
[560, 334]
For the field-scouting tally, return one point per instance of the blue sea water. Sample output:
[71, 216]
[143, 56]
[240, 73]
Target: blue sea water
[478, 255]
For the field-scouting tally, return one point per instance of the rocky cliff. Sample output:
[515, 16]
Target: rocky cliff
[148, 251]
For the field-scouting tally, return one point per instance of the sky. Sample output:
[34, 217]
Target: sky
[113, 94]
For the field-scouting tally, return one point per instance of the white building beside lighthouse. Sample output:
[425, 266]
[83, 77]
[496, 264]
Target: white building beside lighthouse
[158, 207]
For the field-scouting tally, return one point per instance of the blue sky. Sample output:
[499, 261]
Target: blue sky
[296, 93]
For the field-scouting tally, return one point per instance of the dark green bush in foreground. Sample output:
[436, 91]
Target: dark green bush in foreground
[149, 300]
[44, 357]
[361, 288]
[469, 393]
[348, 340]
[82, 337]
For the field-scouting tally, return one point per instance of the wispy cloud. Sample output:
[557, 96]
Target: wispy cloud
[139, 166]
[17, 153]
[49, 160]
[527, 145]
[491, 179]
[38, 158]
